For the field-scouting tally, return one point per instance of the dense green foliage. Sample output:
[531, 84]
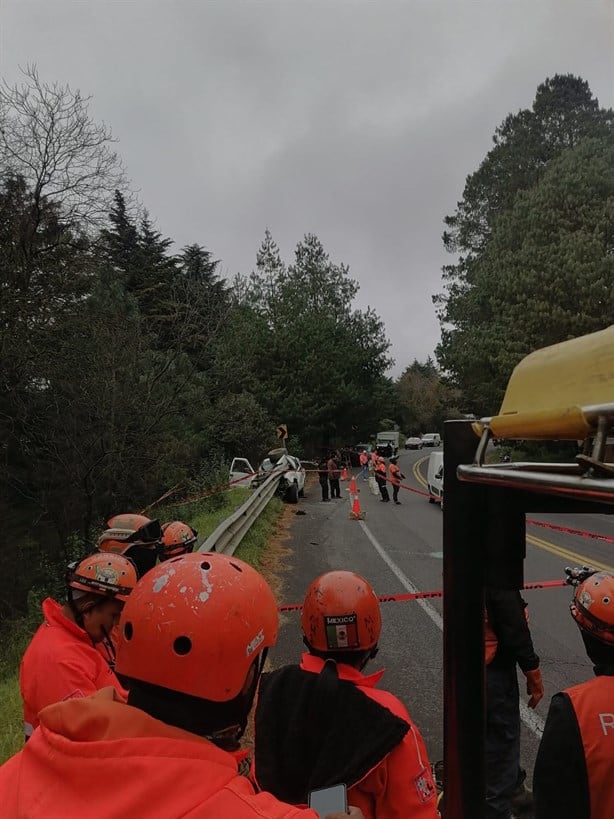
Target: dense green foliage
[127, 368]
[534, 237]
[425, 399]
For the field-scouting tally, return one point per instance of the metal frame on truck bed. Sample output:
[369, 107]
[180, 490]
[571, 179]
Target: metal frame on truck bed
[564, 392]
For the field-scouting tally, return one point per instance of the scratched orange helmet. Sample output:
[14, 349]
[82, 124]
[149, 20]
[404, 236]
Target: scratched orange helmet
[592, 606]
[195, 624]
[127, 530]
[109, 575]
[341, 613]
[177, 539]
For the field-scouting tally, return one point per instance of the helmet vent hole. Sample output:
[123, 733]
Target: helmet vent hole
[182, 646]
[128, 631]
[606, 600]
[236, 566]
[205, 566]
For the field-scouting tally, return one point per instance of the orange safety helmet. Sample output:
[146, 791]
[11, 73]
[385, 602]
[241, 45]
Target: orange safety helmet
[195, 624]
[592, 606]
[177, 539]
[341, 613]
[109, 575]
[128, 530]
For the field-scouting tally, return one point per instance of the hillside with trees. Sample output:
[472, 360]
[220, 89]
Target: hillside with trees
[533, 240]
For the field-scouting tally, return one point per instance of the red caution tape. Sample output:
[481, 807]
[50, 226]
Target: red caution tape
[395, 598]
[567, 530]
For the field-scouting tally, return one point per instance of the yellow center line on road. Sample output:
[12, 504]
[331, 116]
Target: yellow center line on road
[418, 474]
[566, 554]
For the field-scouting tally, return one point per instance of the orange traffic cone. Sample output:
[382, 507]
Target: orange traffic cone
[344, 474]
[356, 514]
[353, 490]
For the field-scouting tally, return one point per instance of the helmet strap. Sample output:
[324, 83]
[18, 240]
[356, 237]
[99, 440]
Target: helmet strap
[109, 647]
[76, 612]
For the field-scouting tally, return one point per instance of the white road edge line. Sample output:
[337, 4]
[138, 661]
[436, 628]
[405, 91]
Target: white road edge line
[532, 720]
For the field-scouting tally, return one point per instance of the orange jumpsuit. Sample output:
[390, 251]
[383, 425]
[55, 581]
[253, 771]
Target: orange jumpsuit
[398, 786]
[60, 663]
[574, 769]
[99, 758]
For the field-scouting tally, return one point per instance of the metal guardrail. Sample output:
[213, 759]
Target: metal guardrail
[230, 532]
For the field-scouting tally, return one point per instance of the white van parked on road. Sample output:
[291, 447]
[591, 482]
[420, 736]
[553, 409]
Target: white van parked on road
[431, 439]
[434, 477]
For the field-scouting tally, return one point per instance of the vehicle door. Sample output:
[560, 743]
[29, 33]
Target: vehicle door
[241, 473]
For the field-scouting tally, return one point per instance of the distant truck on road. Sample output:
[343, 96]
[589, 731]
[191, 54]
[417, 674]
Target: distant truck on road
[388, 443]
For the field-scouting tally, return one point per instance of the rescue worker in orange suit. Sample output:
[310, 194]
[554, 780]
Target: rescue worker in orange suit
[62, 660]
[363, 459]
[177, 539]
[396, 476]
[380, 477]
[136, 537]
[324, 721]
[574, 769]
[194, 635]
[508, 643]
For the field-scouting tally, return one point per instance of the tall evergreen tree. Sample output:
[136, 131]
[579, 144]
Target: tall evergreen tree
[527, 144]
[547, 274]
[324, 357]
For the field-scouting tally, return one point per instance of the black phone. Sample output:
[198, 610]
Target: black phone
[329, 800]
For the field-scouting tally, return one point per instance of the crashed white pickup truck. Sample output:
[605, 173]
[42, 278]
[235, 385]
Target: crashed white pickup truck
[291, 484]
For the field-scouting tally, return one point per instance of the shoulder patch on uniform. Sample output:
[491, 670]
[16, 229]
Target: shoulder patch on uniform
[425, 787]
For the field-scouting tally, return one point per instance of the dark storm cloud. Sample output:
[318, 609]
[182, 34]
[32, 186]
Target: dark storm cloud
[357, 121]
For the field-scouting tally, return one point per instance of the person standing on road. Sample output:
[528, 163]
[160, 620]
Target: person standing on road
[574, 769]
[380, 477]
[373, 487]
[194, 637]
[334, 473]
[324, 720]
[364, 463]
[396, 476]
[323, 477]
[508, 643]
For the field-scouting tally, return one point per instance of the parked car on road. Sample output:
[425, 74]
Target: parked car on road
[431, 439]
[413, 442]
[434, 477]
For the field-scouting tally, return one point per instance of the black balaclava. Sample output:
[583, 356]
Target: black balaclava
[223, 723]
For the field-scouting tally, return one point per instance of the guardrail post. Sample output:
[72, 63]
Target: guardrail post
[463, 636]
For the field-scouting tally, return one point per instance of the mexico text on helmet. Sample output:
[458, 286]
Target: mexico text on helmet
[341, 613]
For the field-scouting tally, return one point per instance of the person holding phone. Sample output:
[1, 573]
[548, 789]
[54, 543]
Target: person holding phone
[194, 635]
[324, 722]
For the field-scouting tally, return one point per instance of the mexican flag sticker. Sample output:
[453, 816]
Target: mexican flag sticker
[341, 631]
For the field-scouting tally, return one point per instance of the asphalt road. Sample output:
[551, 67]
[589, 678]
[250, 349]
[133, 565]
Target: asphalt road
[399, 549]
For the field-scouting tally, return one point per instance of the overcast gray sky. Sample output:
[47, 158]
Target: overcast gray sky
[357, 121]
